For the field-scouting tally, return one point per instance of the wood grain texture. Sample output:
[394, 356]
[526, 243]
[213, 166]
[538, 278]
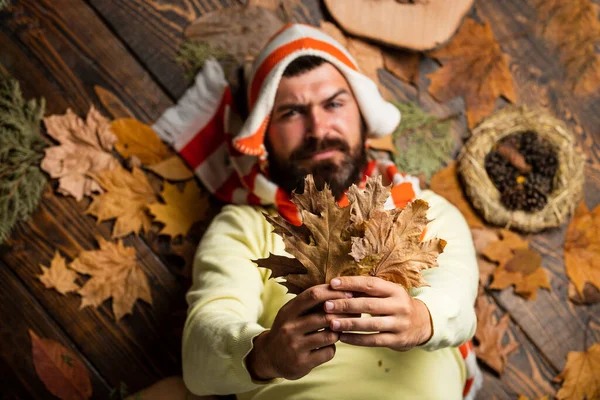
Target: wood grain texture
[554, 324]
[137, 350]
[19, 312]
[153, 30]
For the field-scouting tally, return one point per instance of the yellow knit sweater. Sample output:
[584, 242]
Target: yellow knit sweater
[231, 301]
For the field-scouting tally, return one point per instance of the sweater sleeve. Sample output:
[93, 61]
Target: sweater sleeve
[225, 303]
[451, 295]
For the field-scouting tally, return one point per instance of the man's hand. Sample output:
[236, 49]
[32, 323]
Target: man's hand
[300, 338]
[401, 321]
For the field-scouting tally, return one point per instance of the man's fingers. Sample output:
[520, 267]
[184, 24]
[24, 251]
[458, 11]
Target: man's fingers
[322, 355]
[320, 339]
[313, 297]
[370, 285]
[368, 340]
[363, 305]
[368, 324]
[319, 320]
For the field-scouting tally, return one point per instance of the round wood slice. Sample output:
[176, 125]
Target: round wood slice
[421, 25]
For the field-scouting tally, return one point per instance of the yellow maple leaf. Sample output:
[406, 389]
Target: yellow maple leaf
[114, 273]
[58, 276]
[582, 248]
[581, 375]
[173, 169]
[140, 140]
[181, 209]
[126, 199]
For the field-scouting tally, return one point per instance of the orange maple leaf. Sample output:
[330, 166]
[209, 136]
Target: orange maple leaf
[475, 68]
[58, 276]
[582, 248]
[581, 378]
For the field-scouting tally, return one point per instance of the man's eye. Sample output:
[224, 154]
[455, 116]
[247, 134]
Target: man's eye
[289, 113]
[334, 104]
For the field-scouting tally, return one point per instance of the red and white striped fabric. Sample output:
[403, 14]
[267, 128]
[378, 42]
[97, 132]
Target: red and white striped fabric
[228, 154]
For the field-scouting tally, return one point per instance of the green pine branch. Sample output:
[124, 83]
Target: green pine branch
[424, 141]
[21, 151]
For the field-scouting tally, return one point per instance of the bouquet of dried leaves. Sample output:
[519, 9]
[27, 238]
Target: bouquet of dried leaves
[361, 239]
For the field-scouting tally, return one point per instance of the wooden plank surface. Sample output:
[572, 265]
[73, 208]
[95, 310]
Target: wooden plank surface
[69, 51]
[553, 323]
[19, 313]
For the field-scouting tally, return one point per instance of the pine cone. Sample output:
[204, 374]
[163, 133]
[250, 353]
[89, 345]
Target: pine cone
[524, 197]
[529, 142]
[500, 171]
[540, 182]
[544, 161]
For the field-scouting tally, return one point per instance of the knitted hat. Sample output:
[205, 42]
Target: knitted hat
[291, 42]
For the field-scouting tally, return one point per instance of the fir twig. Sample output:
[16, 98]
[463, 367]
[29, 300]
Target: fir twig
[424, 141]
[21, 151]
[192, 56]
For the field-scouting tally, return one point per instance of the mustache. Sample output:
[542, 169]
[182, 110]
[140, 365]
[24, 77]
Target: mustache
[314, 145]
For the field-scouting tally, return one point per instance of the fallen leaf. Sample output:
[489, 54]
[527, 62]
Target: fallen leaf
[489, 333]
[58, 276]
[446, 184]
[404, 65]
[524, 271]
[126, 199]
[574, 30]
[181, 209]
[390, 248]
[173, 169]
[502, 251]
[85, 147]
[272, 5]
[112, 103]
[522, 397]
[582, 248]
[59, 368]
[591, 295]
[482, 238]
[385, 143]
[140, 140]
[114, 273]
[580, 375]
[325, 255]
[474, 67]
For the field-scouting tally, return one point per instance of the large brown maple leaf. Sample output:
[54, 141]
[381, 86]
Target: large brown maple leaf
[321, 252]
[475, 68]
[391, 250]
[114, 273]
[581, 378]
[85, 147]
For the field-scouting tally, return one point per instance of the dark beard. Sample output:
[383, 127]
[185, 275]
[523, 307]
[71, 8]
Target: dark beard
[289, 175]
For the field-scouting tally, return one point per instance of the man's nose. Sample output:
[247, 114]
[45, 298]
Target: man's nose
[317, 123]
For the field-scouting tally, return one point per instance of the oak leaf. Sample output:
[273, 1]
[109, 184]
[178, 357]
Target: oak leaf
[173, 169]
[402, 64]
[482, 238]
[60, 369]
[582, 248]
[127, 197]
[58, 276]
[112, 103]
[391, 250]
[321, 255]
[474, 67]
[446, 184]
[85, 147]
[573, 29]
[490, 333]
[138, 139]
[115, 274]
[580, 375]
[181, 209]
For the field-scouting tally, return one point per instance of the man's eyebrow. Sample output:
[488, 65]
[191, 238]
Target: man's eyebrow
[296, 106]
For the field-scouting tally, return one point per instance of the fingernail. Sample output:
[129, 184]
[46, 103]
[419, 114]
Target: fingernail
[335, 325]
[335, 282]
[349, 294]
[328, 305]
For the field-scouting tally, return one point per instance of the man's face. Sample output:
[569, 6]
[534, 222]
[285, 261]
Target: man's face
[316, 128]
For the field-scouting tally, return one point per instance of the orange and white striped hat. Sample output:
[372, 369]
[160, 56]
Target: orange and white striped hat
[291, 42]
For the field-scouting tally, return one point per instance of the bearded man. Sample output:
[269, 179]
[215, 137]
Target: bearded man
[312, 112]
